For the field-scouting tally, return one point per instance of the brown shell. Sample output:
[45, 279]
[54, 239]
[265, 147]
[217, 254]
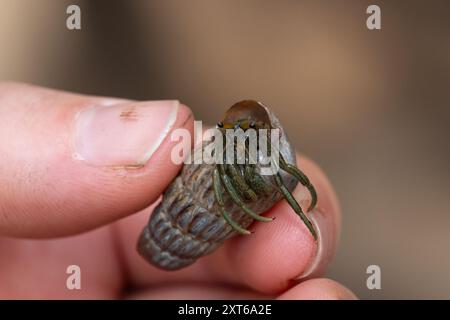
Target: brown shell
[247, 109]
[187, 224]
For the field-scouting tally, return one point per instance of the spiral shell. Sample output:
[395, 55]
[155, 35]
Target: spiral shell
[187, 224]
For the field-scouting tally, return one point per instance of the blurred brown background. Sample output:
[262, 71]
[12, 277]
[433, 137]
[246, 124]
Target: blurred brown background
[371, 107]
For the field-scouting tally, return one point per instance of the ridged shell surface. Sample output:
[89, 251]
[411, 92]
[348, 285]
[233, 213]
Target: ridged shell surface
[187, 224]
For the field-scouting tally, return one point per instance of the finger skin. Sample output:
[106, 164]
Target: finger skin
[267, 261]
[196, 292]
[318, 289]
[37, 269]
[45, 190]
[279, 252]
[314, 289]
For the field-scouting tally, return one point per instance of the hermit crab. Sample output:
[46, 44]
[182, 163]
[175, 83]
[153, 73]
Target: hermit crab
[209, 203]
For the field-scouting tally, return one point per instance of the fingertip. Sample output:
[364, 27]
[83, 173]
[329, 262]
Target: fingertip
[274, 255]
[327, 197]
[326, 218]
[284, 251]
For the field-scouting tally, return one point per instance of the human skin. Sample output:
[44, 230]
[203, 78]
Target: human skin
[80, 176]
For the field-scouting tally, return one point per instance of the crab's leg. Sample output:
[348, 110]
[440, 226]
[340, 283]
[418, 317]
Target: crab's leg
[219, 199]
[227, 183]
[241, 184]
[254, 179]
[293, 203]
[302, 178]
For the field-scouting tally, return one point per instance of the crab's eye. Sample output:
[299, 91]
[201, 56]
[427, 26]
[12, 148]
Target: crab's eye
[220, 124]
[252, 125]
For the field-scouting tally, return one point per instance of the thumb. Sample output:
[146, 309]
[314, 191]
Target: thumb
[70, 163]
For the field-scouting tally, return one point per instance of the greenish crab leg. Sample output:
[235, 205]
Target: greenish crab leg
[235, 196]
[218, 195]
[241, 184]
[293, 203]
[256, 181]
[302, 178]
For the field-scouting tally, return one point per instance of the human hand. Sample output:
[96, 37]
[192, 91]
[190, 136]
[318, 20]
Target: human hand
[74, 171]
